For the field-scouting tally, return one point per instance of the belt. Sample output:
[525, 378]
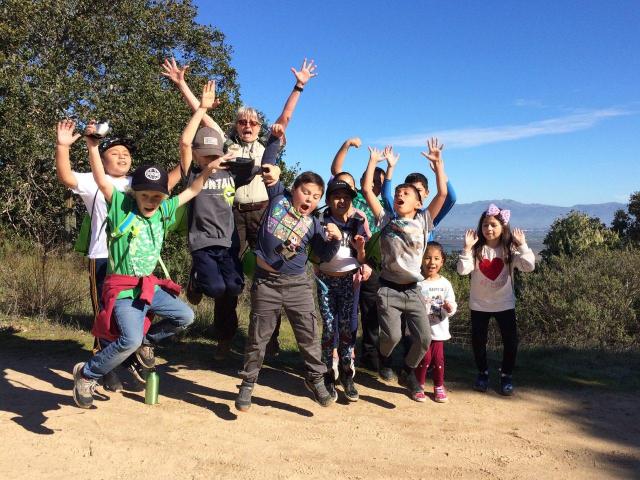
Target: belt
[400, 287]
[250, 207]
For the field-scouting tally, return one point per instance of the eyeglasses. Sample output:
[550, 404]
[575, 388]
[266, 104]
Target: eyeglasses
[244, 123]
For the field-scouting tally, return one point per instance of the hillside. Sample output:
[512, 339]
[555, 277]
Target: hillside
[534, 216]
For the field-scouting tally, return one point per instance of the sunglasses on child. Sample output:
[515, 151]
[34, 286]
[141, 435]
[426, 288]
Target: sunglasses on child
[244, 123]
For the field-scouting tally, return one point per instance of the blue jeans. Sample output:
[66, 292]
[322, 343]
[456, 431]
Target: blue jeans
[129, 314]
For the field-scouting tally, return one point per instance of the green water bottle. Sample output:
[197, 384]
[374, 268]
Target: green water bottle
[151, 390]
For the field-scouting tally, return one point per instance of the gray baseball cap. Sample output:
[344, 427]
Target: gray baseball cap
[208, 141]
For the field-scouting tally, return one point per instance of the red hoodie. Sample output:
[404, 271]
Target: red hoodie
[105, 325]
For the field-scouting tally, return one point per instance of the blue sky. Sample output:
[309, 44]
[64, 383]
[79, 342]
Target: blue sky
[535, 101]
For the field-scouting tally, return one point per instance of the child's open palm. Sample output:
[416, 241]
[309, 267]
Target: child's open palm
[209, 95]
[434, 155]
[64, 133]
[518, 236]
[172, 71]
[470, 239]
[391, 156]
[375, 154]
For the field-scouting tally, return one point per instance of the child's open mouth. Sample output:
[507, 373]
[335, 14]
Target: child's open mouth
[304, 208]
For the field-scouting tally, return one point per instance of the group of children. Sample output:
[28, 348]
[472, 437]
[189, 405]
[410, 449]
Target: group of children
[371, 253]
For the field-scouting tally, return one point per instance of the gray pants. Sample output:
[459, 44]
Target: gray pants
[403, 306]
[269, 293]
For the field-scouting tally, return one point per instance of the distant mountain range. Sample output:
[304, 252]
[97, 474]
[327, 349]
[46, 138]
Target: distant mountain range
[525, 215]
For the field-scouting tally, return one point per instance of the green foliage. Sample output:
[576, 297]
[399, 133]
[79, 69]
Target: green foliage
[589, 300]
[620, 223]
[101, 60]
[577, 233]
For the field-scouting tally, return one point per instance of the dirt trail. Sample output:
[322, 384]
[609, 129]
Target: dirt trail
[195, 432]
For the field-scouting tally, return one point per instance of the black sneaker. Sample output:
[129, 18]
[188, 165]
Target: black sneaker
[138, 371]
[243, 400]
[111, 381]
[145, 355]
[506, 385]
[387, 374]
[194, 295]
[83, 388]
[319, 391]
[482, 382]
[349, 388]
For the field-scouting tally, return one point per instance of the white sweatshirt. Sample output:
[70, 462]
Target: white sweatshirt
[492, 279]
[436, 293]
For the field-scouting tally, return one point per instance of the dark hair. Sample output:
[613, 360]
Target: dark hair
[345, 174]
[417, 177]
[308, 177]
[410, 187]
[376, 173]
[506, 241]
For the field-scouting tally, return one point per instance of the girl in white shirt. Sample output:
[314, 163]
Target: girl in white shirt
[440, 302]
[490, 255]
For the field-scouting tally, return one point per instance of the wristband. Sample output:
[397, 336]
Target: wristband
[298, 89]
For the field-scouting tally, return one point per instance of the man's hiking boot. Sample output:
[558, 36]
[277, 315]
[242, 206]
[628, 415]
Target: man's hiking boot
[83, 388]
[319, 391]
[145, 355]
[506, 385]
[387, 374]
[243, 400]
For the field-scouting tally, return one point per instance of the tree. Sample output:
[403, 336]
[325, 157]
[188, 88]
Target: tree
[620, 223]
[576, 233]
[98, 59]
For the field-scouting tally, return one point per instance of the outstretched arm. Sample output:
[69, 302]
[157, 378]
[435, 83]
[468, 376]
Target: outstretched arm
[105, 186]
[306, 73]
[375, 156]
[173, 72]
[341, 154]
[434, 155]
[386, 190]
[65, 137]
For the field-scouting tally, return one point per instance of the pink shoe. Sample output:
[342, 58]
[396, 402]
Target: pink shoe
[419, 396]
[440, 394]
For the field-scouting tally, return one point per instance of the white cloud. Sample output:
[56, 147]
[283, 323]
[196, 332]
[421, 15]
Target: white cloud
[476, 136]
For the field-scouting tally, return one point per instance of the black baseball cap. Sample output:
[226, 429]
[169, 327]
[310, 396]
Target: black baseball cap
[150, 177]
[107, 143]
[337, 185]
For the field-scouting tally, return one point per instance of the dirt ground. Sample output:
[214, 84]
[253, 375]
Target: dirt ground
[195, 432]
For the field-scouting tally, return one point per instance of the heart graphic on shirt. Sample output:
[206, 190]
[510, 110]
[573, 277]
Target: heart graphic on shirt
[491, 268]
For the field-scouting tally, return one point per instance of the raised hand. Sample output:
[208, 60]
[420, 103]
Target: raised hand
[172, 71]
[306, 72]
[518, 236]
[270, 174]
[216, 164]
[470, 239]
[209, 95]
[333, 232]
[277, 130]
[354, 142]
[434, 155]
[375, 155]
[358, 242]
[64, 133]
[391, 156]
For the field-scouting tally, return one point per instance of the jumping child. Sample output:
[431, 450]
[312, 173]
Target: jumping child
[491, 254]
[440, 302]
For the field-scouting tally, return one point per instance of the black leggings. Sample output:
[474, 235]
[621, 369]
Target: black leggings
[479, 329]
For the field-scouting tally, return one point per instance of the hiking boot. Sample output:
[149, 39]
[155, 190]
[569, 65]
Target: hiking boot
[319, 391]
[138, 371]
[145, 355]
[330, 384]
[482, 382]
[411, 382]
[387, 374]
[440, 394]
[349, 388]
[222, 350]
[83, 388]
[243, 400]
[111, 381]
[506, 385]
[194, 295]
